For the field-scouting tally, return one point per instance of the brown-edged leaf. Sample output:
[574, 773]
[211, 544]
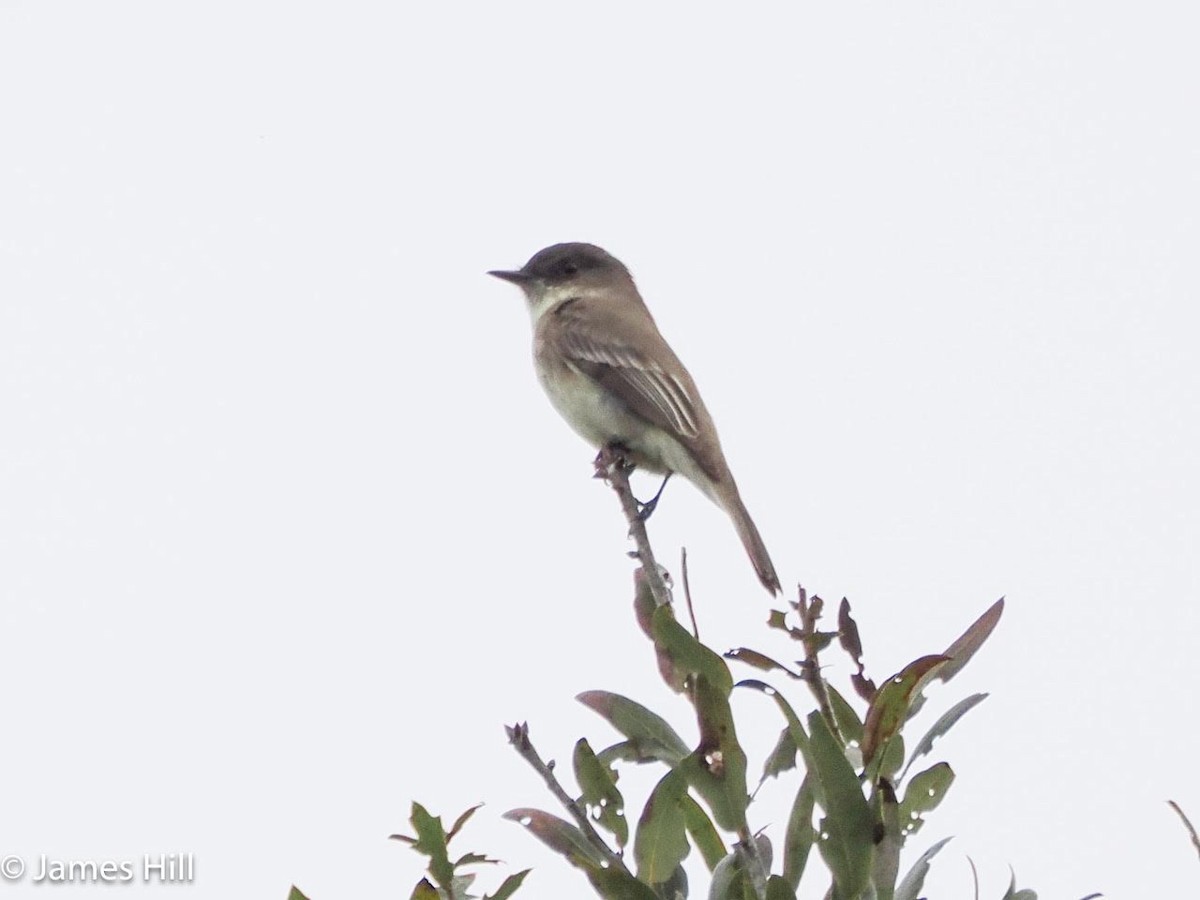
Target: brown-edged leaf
[560, 836]
[960, 652]
[889, 709]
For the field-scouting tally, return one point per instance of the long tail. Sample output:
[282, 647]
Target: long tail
[752, 541]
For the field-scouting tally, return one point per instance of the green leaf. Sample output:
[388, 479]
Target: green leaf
[889, 709]
[431, 840]
[615, 884]
[600, 794]
[461, 821]
[717, 767]
[779, 889]
[560, 836]
[1013, 894]
[661, 840]
[726, 879]
[648, 731]
[508, 887]
[795, 726]
[944, 723]
[730, 880]
[778, 620]
[294, 894]
[424, 891]
[702, 831]
[473, 859]
[688, 654]
[848, 829]
[782, 758]
[759, 661]
[910, 887]
[960, 652]
[800, 834]
[887, 765]
[849, 724]
[924, 793]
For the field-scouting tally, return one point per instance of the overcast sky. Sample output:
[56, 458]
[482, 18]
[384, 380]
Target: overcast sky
[288, 531]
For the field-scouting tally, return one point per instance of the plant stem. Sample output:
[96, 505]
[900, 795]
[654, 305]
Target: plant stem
[612, 466]
[518, 736]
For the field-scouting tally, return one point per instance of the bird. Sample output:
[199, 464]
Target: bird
[611, 374]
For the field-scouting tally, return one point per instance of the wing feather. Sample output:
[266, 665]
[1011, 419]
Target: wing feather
[665, 399]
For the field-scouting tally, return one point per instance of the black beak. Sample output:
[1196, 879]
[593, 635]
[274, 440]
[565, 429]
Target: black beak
[514, 277]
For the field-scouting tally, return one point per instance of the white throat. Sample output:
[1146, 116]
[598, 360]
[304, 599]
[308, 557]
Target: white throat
[553, 297]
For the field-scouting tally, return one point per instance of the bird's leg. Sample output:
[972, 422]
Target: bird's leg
[647, 509]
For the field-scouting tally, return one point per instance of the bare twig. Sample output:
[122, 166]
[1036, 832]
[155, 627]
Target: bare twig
[518, 736]
[687, 591]
[612, 466]
[1187, 823]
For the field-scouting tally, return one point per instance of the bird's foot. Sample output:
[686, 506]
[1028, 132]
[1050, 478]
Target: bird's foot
[646, 510]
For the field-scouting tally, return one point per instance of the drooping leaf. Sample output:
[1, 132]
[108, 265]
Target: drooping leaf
[944, 723]
[782, 758]
[798, 839]
[431, 841]
[848, 828]
[960, 652]
[717, 768]
[702, 832]
[660, 843]
[759, 661]
[688, 654]
[509, 886]
[600, 793]
[795, 726]
[890, 707]
[910, 887]
[926, 790]
[560, 836]
[648, 731]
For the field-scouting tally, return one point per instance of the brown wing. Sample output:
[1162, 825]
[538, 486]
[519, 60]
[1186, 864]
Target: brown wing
[620, 347]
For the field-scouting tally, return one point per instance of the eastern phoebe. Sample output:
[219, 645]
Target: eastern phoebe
[612, 376]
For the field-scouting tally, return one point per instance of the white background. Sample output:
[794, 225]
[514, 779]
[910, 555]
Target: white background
[288, 532]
